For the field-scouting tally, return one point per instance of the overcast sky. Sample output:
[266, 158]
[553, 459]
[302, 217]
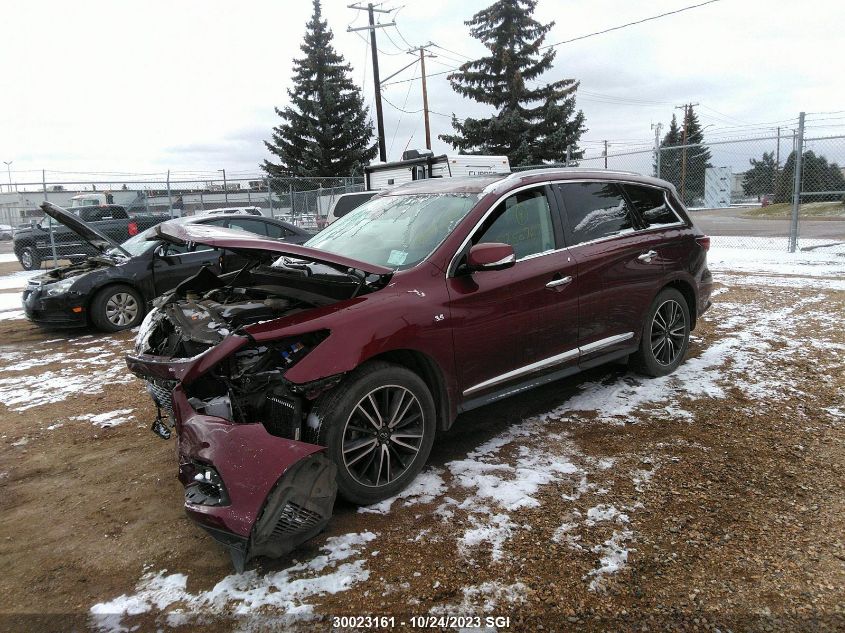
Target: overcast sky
[139, 87]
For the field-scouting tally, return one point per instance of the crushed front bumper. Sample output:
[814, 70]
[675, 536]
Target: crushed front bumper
[256, 493]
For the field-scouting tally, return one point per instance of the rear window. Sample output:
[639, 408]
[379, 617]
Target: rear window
[250, 226]
[594, 210]
[651, 204]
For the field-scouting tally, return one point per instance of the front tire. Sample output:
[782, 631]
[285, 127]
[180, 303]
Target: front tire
[29, 258]
[378, 426]
[117, 308]
[665, 336]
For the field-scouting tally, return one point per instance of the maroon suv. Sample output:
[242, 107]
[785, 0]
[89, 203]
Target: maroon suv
[330, 367]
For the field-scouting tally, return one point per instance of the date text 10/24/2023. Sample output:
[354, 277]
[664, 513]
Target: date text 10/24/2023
[420, 621]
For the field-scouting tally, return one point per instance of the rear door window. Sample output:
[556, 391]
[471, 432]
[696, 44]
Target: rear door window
[652, 206]
[594, 211]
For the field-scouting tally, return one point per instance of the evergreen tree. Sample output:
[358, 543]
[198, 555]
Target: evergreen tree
[697, 159]
[760, 178]
[325, 131]
[689, 179]
[670, 159]
[816, 175]
[531, 125]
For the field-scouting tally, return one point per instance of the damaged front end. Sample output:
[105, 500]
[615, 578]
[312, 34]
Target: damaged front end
[250, 479]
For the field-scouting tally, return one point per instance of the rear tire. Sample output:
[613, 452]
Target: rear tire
[117, 308]
[29, 259]
[378, 426]
[665, 335]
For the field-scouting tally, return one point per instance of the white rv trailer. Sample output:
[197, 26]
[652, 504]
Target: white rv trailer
[417, 165]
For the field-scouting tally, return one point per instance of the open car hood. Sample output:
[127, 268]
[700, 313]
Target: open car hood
[248, 243]
[100, 242]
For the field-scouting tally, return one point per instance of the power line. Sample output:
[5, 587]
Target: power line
[402, 111]
[396, 107]
[623, 26]
[448, 50]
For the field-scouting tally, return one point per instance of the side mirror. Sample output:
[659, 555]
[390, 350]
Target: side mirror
[491, 256]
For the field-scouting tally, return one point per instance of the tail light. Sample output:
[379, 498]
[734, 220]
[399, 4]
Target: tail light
[133, 228]
[704, 241]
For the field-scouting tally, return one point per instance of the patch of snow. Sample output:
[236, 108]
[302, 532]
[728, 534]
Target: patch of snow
[614, 556]
[12, 315]
[107, 420]
[494, 530]
[17, 280]
[246, 594]
[424, 489]
[83, 368]
[485, 597]
[10, 301]
[602, 513]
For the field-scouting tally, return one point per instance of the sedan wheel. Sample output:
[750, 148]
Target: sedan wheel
[117, 308]
[383, 435]
[121, 309]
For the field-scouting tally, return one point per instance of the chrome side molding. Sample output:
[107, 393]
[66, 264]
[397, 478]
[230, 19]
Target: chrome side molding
[549, 362]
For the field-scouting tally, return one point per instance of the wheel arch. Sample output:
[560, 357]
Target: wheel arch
[96, 290]
[427, 369]
[688, 292]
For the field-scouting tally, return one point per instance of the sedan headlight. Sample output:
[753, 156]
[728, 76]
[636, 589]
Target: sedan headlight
[59, 287]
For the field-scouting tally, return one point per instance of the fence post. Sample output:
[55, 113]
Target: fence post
[50, 222]
[568, 154]
[270, 196]
[796, 185]
[290, 198]
[169, 198]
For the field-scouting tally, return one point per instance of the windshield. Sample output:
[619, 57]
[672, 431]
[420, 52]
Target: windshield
[137, 244]
[395, 231]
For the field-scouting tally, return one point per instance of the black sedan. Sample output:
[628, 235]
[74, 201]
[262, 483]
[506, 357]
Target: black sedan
[113, 289]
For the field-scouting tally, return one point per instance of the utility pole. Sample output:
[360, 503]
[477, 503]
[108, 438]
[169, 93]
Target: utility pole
[8, 164]
[686, 107]
[657, 127]
[372, 26]
[425, 99]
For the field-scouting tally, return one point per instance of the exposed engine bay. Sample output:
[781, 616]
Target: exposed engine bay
[249, 386]
[74, 270]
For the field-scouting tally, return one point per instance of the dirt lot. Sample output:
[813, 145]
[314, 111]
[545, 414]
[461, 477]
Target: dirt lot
[711, 499]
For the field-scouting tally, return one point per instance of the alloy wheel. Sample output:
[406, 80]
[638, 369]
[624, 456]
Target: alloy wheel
[26, 259]
[121, 309]
[382, 436]
[668, 331]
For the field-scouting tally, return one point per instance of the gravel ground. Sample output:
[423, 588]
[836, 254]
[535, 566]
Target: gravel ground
[708, 500]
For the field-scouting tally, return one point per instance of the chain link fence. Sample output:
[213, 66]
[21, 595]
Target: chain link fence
[743, 189]
[122, 208]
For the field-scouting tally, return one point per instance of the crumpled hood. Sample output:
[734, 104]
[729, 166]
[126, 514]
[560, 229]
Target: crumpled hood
[249, 244]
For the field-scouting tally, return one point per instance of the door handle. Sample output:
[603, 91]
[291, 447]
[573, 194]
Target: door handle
[647, 256]
[554, 283]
